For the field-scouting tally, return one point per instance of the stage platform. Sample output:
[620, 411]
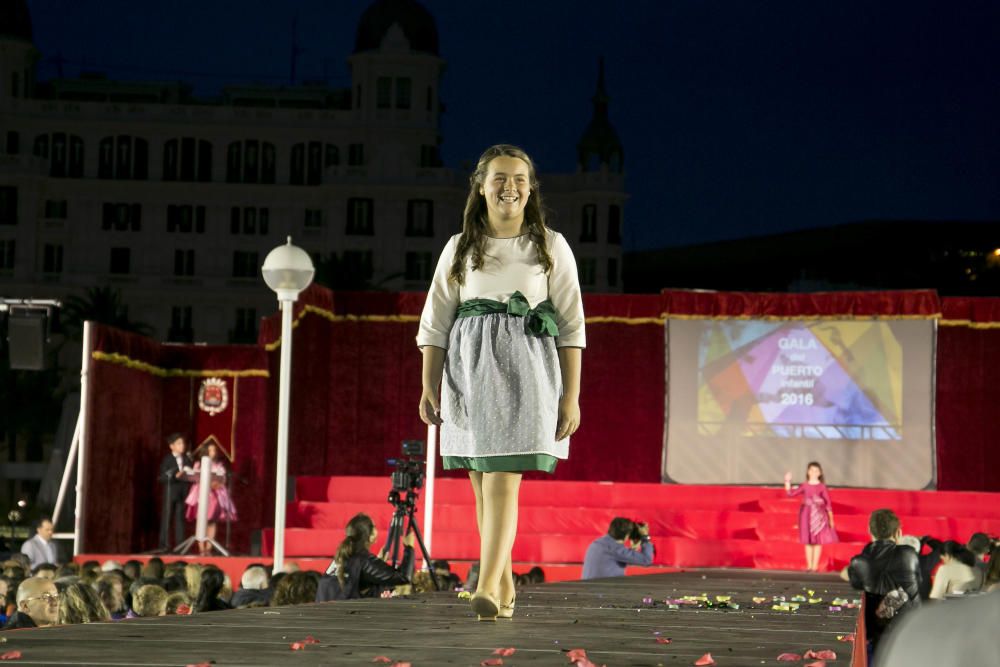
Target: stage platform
[618, 622]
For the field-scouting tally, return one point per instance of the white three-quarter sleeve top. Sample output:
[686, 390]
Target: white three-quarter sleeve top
[510, 265]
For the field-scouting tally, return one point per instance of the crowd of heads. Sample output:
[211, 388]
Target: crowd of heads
[92, 592]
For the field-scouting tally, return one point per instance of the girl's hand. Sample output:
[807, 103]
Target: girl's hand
[788, 478]
[430, 409]
[569, 418]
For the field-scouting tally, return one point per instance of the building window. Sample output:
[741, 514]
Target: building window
[187, 159]
[356, 155]
[612, 272]
[121, 261]
[181, 327]
[614, 224]
[250, 161]
[430, 98]
[418, 266]
[429, 156]
[357, 96]
[123, 158]
[64, 153]
[420, 217]
[309, 160]
[314, 218]
[183, 262]
[52, 258]
[56, 209]
[249, 220]
[7, 255]
[383, 92]
[15, 84]
[587, 266]
[358, 264]
[360, 220]
[185, 218]
[245, 264]
[588, 224]
[13, 142]
[245, 329]
[8, 205]
[404, 89]
[121, 217]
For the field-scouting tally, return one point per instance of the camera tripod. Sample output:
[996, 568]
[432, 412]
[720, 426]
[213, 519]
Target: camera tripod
[406, 508]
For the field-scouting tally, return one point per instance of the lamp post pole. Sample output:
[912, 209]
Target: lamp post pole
[287, 270]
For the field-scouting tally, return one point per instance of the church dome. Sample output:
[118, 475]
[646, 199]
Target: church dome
[599, 145]
[413, 18]
[15, 21]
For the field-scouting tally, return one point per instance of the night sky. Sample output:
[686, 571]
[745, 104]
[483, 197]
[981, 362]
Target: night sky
[738, 118]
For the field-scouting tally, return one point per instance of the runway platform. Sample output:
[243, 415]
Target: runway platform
[617, 622]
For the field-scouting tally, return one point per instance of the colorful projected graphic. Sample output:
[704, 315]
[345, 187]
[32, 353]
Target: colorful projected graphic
[831, 380]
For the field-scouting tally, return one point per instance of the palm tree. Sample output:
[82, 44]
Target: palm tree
[102, 304]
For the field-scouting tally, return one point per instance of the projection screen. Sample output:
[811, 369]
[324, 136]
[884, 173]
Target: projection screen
[748, 399]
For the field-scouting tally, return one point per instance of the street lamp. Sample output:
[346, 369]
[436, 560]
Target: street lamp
[287, 270]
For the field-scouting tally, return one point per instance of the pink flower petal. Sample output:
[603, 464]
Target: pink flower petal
[382, 658]
[825, 654]
[576, 654]
[296, 646]
[310, 640]
[817, 663]
[663, 640]
[846, 638]
[705, 660]
[11, 655]
[789, 657]
[504, 651]
[402, 664]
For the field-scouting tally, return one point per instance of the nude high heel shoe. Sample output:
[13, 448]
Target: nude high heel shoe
[507, 610]
[484, 606]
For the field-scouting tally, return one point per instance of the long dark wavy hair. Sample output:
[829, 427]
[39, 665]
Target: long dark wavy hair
[475, 220]
[359, 533]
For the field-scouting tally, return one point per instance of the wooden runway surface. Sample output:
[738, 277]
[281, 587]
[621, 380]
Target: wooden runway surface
[616, 621]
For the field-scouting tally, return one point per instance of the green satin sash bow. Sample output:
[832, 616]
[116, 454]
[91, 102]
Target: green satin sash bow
[538, 321]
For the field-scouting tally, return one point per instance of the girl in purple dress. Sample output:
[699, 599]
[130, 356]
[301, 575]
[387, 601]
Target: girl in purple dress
[815, 515]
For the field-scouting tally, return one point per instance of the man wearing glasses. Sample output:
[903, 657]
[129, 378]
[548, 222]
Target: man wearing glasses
[37, 604]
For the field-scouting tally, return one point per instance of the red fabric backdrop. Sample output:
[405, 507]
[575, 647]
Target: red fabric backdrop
[141, 391]
[356, 380]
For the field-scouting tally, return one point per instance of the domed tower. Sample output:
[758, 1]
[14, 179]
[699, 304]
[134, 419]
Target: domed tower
[18, 55]
[600, 147]
[396, 68]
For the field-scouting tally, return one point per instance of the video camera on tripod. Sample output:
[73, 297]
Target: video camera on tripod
[409, 472]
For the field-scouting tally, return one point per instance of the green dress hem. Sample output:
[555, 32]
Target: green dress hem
[513, 463]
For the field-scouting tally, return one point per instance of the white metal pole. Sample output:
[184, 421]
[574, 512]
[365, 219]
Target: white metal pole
[81, 455]
[429, 498]
[284, 391]
[68, 470]
[205, 485]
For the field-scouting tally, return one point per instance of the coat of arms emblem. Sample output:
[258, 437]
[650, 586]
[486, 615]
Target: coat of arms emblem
[213, 396]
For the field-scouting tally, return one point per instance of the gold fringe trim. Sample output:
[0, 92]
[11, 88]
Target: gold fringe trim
[969, 323]
[122, 360]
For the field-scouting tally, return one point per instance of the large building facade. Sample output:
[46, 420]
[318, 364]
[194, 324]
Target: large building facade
[175, 201]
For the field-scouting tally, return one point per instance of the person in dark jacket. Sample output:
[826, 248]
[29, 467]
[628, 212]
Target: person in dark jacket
[884, 567]
[357, 572]
[173, 478]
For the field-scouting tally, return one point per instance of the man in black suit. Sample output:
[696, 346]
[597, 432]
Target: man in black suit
[175, 489]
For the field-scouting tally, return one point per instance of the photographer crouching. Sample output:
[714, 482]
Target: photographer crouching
[358, 573]
[627, 543]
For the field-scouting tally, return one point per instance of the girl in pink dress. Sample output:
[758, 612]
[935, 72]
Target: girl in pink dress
[220, 504]
[815, 514]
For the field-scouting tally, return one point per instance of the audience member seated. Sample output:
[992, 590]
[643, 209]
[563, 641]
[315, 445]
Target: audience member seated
[356, 572]
[46, 570]
[40, 548]
[79, 603]
[626, 543]
[296, 588]
[111, 593]
[153, 568]
[958, 572]
[132, 569]
[37, 605]
[253, 587]
[6, 607]
[992, 580]
[979, 544]
[212, 580]
[149, 600]
[886, 572]
[178, 603]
